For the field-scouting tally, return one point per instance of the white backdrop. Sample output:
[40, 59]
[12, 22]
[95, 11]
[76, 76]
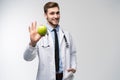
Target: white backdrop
[94, 25]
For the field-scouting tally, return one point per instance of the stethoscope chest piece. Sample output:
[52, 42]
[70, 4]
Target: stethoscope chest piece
[67, 45]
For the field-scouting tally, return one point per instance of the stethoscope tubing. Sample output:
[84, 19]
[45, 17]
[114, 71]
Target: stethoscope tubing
[67, 45]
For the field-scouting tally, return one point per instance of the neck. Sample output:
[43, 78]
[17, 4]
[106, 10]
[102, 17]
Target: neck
[53, 26]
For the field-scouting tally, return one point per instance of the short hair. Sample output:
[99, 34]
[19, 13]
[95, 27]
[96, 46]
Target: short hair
[50, 5]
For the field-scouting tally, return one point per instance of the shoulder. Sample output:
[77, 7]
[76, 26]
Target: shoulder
[67, 34]
[64, 31]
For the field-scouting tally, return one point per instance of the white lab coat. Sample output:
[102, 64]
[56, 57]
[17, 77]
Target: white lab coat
[46, 68]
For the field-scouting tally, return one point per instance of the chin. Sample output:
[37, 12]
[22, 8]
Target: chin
[54, 23]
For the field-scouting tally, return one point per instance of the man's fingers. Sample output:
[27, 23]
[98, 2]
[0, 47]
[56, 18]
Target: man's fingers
[30, 29]
[34, 25]
[73, 70]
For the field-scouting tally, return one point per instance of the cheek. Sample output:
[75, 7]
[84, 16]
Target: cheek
[58, 15]
[49, 17]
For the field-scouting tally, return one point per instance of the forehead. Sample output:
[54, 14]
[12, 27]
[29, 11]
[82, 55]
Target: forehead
[54, 9]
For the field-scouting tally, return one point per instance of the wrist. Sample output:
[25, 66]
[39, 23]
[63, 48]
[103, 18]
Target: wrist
[32, 44]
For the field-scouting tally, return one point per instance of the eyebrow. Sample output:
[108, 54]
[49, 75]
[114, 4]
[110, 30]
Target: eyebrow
[55, 12]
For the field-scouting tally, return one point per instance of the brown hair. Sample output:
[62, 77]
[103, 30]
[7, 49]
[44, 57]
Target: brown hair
[50, 5]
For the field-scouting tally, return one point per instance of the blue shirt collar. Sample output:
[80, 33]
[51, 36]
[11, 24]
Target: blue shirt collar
[50, 28]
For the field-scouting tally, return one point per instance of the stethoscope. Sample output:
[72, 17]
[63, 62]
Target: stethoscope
[48, 45]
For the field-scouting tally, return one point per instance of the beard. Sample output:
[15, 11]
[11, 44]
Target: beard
[51, 22]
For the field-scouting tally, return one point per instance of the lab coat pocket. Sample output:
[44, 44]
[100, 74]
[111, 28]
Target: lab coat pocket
[69, 76]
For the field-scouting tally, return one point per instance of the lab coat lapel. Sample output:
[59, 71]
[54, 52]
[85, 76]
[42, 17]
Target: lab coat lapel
[50, 39]
[61, 35]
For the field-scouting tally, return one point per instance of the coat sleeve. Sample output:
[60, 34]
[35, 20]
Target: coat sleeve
[30, 53]
[73, 60]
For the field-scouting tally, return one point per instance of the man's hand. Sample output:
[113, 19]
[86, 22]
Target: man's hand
[71, 69]
[34, 36]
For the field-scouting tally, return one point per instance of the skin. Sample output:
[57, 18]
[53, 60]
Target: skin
[52, 16]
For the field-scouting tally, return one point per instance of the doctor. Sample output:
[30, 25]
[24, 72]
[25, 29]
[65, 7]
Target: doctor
[55, 50]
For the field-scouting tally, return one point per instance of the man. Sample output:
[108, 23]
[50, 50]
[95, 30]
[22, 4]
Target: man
[55, 50]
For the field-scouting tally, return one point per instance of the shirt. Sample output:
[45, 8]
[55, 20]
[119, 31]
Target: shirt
[50, 28]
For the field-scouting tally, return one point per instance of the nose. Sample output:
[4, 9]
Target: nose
[56, 15]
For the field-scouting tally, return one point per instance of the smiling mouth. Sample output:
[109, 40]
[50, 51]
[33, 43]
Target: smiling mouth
[56, 20]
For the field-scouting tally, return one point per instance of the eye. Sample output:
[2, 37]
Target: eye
[58, 12]
[52, 13]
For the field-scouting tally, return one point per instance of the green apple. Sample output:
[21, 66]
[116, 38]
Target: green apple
[42, 30]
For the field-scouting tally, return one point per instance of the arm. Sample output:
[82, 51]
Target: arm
[31, 51]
